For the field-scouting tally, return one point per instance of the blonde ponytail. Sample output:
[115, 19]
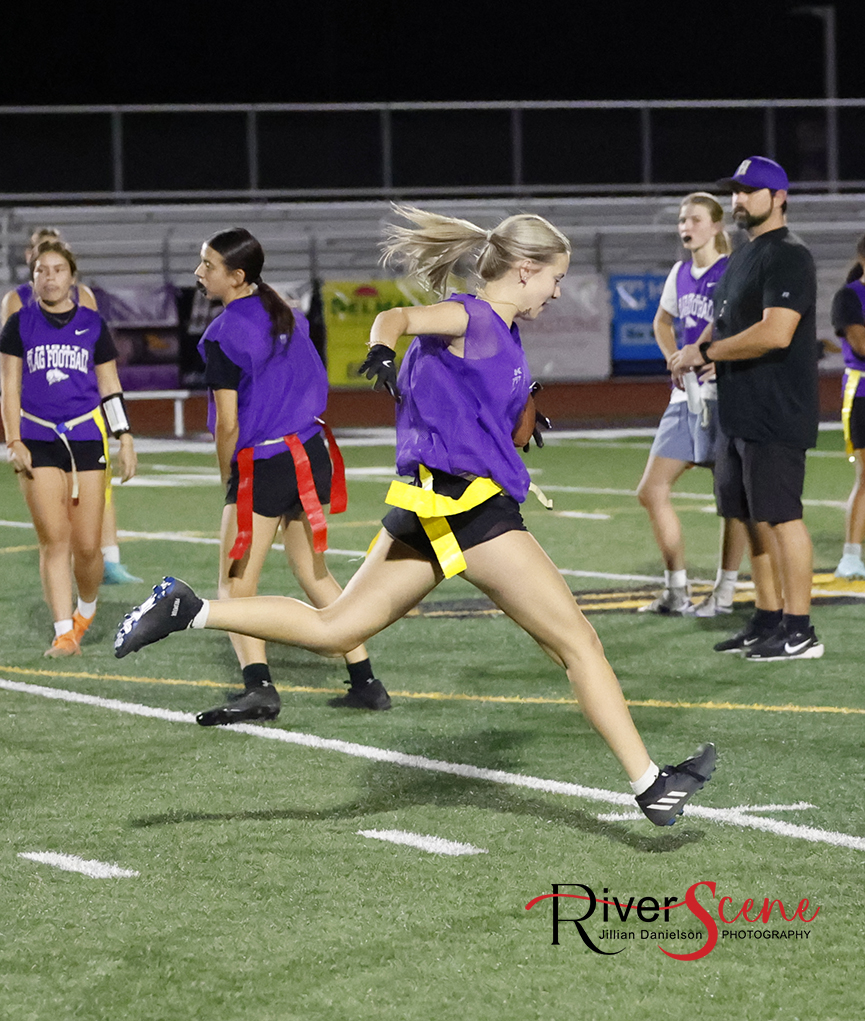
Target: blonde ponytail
[432, 249]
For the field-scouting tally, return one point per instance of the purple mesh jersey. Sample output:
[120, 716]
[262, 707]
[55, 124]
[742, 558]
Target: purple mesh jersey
[458, 414]
[59, 378]
[695, 299]
[851, 359]
[283, 386]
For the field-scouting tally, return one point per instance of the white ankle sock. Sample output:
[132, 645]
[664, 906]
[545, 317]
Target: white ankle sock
[62, 627]
[86, 609]
[200, 619]
[676, 579]
[111, 554]
[853, 549]
[646, 780]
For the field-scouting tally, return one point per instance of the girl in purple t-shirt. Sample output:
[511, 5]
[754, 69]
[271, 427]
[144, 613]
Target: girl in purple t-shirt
[688, 431]
[464, 392]
[268, 389]
[848, 320]
[58, 374]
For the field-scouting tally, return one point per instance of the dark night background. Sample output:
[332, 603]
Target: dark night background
[396, 50]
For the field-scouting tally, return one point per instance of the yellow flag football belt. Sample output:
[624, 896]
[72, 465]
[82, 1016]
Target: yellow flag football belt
[433, 510]
[850, 388]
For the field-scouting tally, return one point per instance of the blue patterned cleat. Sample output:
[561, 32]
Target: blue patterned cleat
[676, 785]
[117, 574]
[172, 607]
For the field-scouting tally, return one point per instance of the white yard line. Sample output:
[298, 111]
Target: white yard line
[741, 817]
[72, 863]
[434, 845]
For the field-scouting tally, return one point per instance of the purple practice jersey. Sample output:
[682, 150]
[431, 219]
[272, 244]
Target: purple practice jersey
[694, 298]
[851, 359]
[59, 378]
[458, 414]
[283, 383]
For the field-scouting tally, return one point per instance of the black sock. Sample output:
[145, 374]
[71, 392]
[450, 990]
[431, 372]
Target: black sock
[359, 674]
[794, 623]
[767, 620]
[256, 675]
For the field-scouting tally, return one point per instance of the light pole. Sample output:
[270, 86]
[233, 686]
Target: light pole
[826, 13]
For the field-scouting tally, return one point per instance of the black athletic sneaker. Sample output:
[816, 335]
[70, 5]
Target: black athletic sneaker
[676, 785]
[780, 645]
[172, 607]
[259, 703]
[371, 695]
[744, 640]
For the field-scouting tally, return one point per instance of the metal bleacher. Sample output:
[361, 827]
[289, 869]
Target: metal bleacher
[147, 244]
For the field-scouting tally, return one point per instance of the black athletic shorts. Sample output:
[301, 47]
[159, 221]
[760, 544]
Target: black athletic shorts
[760, 481]
[274, 481]
[857, 423]
[89, 454]
[499, 514]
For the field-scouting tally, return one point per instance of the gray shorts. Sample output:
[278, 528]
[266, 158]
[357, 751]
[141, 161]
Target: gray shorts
[682, 436]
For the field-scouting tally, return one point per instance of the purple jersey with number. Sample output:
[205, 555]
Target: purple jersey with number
[59, 379]
[283, 383]
[458, 414]
[695, 299]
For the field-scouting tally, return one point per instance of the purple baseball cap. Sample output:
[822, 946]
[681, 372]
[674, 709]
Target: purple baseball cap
[754, 173]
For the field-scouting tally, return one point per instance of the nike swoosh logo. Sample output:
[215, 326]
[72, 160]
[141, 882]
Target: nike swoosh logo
[791, 650]
[387, 364]
[750, 641]
[79, 332]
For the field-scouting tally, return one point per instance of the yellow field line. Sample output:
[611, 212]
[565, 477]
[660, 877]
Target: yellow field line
[647, 703]
[18, 549]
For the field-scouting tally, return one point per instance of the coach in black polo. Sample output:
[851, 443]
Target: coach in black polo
[764, 346]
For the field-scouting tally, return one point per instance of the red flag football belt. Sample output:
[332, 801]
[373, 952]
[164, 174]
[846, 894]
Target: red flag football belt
[305, 488]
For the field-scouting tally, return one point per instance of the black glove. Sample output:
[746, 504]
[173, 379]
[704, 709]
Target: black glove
[380, 363]
[541, 421]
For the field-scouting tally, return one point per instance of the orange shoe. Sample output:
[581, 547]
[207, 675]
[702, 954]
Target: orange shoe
[64, 645]
[80, 625]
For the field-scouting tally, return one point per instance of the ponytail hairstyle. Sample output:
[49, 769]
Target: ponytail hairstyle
[44, 234]
[432, 248]
[240, 250]
[723, 245]
[53, 245]
[857, 270]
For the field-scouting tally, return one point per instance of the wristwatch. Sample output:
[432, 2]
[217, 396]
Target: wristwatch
[703, 349]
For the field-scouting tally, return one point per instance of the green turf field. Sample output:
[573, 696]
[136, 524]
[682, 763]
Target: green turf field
[257, 885]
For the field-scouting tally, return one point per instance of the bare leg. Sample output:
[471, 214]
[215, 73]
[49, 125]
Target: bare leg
[764, 572]
[734, 539]
[391, 580]
[795, 565]
[653, 492]
[313, 576]
[238, 579]
[86, 525]
[855, 518]
[47, 497]
[516, 573]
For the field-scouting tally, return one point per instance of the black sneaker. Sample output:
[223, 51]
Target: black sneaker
[745, 639]
[172, 607]
[259, 703]
[780, 645]
[371, 695]
[676, 785]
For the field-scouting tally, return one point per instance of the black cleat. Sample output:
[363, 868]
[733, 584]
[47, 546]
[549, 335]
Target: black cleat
[259, 703]
[172, 607]
[781, 645]
[745, 639]
[676, 785]
[370, 695]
